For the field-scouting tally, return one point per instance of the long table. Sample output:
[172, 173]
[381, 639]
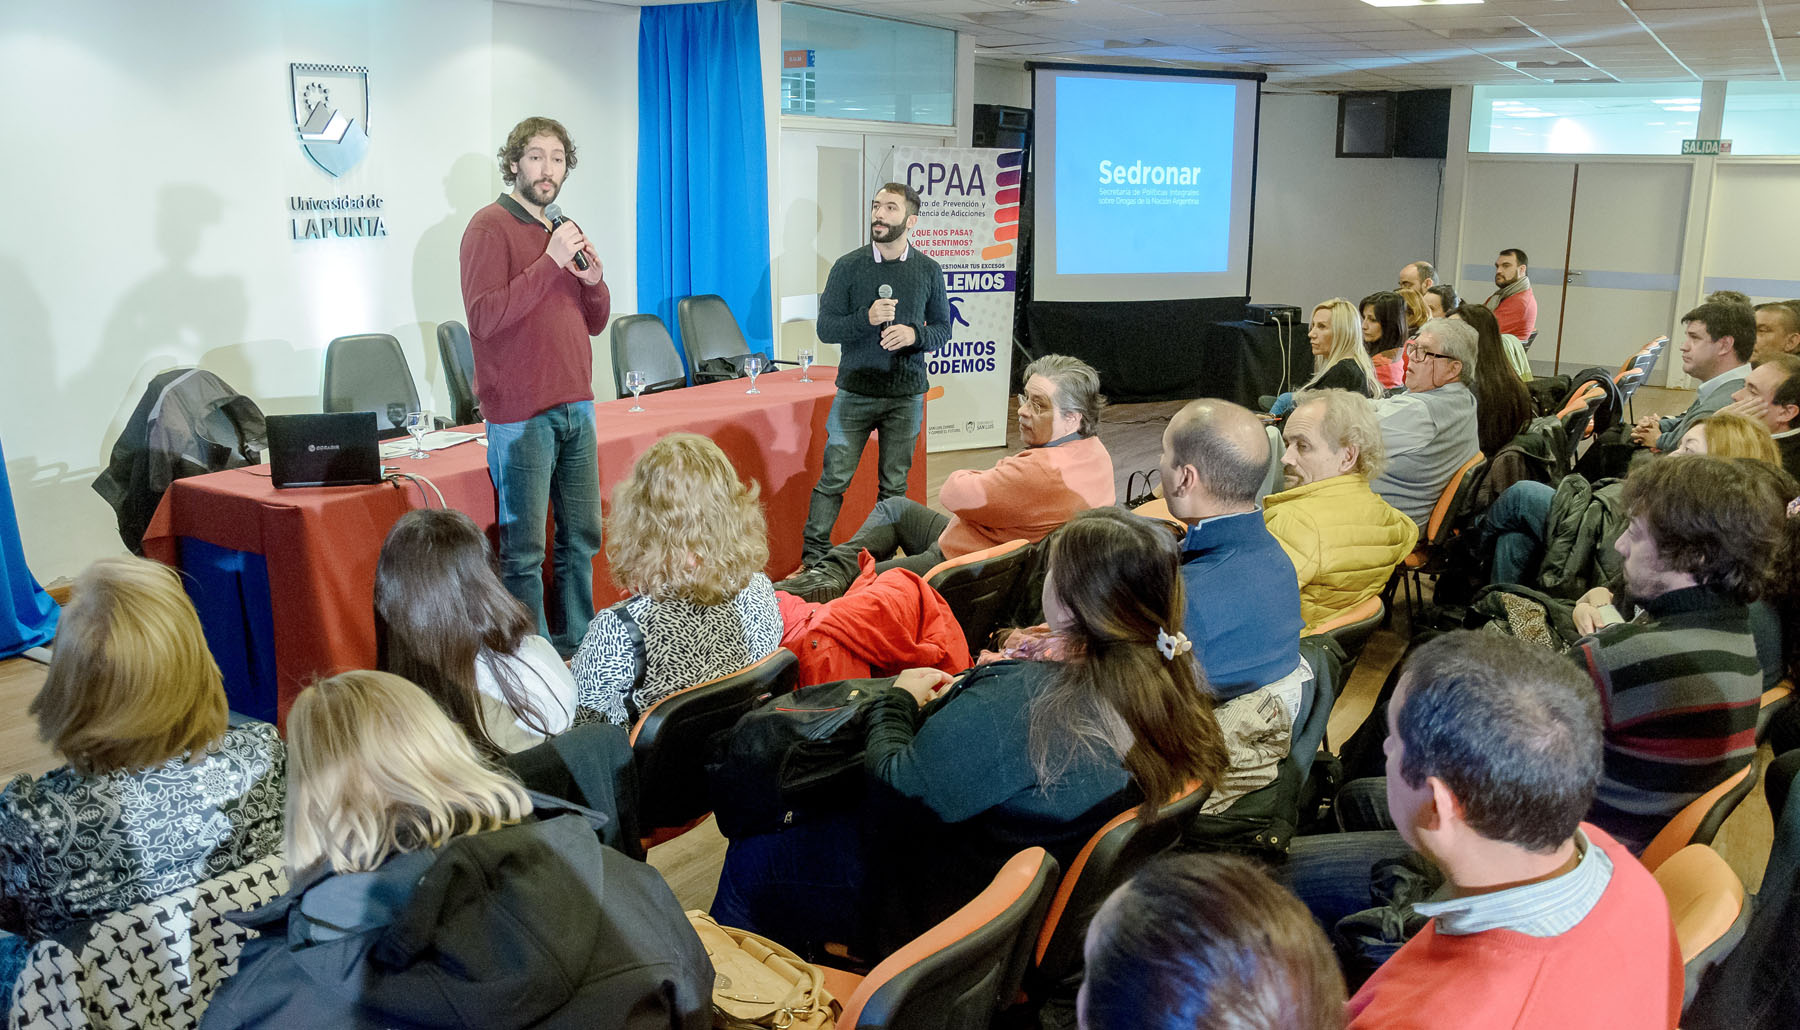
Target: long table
[284, 579]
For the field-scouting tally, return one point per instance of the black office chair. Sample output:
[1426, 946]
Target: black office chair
[368, 372]
[459, 372]
[641, 343]
[708, 331]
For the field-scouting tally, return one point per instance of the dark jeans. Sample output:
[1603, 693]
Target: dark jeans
[1330, 871]
[901, 524]
[802, 886]
[1516, 523]
[549, 462]
[853, 417]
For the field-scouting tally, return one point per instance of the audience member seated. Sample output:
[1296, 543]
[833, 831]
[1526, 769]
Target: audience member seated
[1680, 683]
[1430, 431]
[1777, 330]
[1243, 597]
[1440, 301]
[1419, 275]
[686, 539]
[158, 793]
[1513, 303]
[1416, 311]
[1014, 754]
[1339, 360]
[1521, 519]
[1384, 333]
[1343, 540]
[1063, 469]
[1493, 755]
[1502, 403]
[444, 621]
[427, 892]
[1207, 942]
[1716, 351]
[1771, 395]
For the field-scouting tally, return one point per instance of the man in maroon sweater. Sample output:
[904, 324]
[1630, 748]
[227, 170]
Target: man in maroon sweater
[535, 295]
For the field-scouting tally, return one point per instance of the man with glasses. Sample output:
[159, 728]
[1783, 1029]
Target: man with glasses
[1064, 469]
[1429, 431]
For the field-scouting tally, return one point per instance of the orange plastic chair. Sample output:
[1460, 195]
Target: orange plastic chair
[1706, 904]
[1438, 527]
[1158, 508]
[1699, 822]
[1352, 630]
[674, 736]
[1774, 700]
[1111, 856]
[958, 973]
[982, 587]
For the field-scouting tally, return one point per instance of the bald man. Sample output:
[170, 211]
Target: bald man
[1243, 599]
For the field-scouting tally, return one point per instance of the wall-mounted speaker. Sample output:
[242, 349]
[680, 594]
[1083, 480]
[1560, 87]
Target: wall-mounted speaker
[997, 125]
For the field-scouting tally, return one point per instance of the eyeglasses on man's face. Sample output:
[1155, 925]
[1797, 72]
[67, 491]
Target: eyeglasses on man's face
[1414, 352]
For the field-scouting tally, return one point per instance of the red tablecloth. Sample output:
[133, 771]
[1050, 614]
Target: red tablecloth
[321, 544]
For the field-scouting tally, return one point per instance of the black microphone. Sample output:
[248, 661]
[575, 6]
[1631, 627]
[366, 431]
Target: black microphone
[885, 293]
[554, 213]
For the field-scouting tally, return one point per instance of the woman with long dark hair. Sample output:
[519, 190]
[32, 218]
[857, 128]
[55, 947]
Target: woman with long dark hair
[445, 622]
[1502, 403]
[1384, 333]
[1011, 755]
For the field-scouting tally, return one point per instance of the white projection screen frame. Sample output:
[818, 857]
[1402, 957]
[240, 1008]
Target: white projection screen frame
[1158, 258]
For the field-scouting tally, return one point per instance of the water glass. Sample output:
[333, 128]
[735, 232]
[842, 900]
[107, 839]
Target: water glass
[753, 366]
[634, 381]
[418, 423]
[806, 362]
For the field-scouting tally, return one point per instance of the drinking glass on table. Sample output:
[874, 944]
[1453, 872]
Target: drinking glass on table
[806, 360]
[753, 366]
[634, 381]
[418, 423]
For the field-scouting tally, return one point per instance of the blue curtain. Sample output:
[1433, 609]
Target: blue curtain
[703, 170]
[27, 614]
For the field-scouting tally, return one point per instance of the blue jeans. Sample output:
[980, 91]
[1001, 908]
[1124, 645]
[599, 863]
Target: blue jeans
[853, 417]
[549, 461]
[1516, 524]
[1329, 872]
[802, 886]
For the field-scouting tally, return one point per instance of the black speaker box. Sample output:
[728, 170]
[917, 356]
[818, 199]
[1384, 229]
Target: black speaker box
[1422, 123]
[997, 125]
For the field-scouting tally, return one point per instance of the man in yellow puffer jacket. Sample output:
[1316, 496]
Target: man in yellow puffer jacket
[1344, 540]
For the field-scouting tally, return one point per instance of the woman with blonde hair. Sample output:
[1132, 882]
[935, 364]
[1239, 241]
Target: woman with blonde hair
[1340, 361]
[426, 891]
[158, 793]
[963, 774]
[1417, 312]
[1727, 434]
[686, 539]
[444, 621]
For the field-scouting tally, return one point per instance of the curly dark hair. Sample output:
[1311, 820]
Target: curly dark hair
[1721, 520]
[514, 148]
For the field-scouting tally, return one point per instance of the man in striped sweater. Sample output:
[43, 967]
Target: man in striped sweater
[1679, 683]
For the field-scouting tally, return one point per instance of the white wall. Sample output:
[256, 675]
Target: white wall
[1329, 227]
[149, 226]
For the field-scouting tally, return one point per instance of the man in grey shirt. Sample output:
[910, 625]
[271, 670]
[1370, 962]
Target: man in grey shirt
[1430, 430]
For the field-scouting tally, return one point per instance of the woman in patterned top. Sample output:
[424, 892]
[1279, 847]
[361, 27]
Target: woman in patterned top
[687, 539]
[158, 794]
[444, 621]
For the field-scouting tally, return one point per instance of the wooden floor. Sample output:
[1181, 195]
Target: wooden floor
[1133, 433]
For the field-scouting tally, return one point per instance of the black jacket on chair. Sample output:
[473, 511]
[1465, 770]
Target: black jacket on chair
[533, 925]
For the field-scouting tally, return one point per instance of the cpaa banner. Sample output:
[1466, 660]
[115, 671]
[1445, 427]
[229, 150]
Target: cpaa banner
[969, 223]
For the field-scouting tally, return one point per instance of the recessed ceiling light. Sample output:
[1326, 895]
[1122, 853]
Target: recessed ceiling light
[1044, 5]
[1410, 3]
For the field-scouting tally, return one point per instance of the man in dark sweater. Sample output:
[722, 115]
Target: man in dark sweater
[1680, 683]
[885, 304]
[535, 295]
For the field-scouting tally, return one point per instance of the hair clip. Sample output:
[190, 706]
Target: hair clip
[1173, 644]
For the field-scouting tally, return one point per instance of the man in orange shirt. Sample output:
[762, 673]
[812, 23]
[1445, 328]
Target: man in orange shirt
[1513, 304]
[1064, 469]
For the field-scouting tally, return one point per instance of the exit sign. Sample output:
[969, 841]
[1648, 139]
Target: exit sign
[1705, 147]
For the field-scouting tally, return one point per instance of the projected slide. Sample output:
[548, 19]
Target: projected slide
[1142, 182]
[1143, 176]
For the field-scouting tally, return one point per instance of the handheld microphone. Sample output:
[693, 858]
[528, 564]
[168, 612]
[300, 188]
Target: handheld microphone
[886, 292]
[554, 213]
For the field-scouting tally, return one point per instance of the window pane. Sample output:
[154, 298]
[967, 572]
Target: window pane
[1623, 118]
[1762, 117]
[840, 65]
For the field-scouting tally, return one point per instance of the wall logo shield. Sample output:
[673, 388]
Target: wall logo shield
[331, 114]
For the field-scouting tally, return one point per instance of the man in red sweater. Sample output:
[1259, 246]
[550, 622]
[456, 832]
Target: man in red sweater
[1064, 469]
[1493, 755]
[1513, 304]
[535, 295]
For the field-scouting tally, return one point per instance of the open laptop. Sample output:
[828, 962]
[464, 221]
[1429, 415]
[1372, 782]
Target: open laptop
[339, 449]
